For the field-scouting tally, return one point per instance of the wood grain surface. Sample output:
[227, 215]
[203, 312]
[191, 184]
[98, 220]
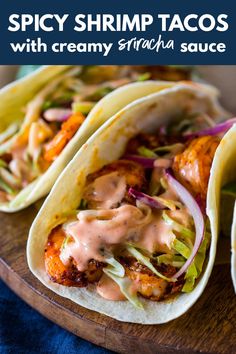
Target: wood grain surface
[209, 327]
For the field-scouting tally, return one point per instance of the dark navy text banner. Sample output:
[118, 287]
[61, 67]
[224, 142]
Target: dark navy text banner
[183, 32]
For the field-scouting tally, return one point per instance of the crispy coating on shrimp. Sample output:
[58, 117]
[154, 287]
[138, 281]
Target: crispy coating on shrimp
[61, 139]
[148, 284]
[192, 166]
[67, 275]
[133, 172]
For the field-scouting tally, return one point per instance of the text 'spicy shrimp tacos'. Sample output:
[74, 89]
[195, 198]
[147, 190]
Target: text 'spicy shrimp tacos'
[130, 227]
[46, 117]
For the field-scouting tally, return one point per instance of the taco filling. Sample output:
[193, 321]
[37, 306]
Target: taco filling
[54, 116]
[141, 228]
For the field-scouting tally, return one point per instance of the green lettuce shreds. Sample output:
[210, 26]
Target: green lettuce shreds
[3, 163]
[115, 267]
[9, 178]
[82, 107]
[144, 76]
[190, 278]
[171, 259]
[195, 268]
[201, 254]
[56, 102]
[145, 261]
[125, 287]
[49, 104]
[168, 148]
[184, 231]
[181, 248]
[145, 152]
[116, 272]
[162, 150]
[6, 188]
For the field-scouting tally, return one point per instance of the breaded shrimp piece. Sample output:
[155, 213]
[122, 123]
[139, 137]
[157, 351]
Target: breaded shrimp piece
[67, 275]
[148, 284]
[192, 166]
[61, 139]
[133, 172]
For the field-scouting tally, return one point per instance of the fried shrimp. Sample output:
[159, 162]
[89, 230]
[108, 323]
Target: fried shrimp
[192, 166]
[148, 284]
[133, 172]
[67, 275]
[68, 130]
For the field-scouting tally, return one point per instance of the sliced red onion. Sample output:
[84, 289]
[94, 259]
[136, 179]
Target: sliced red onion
[217, 129]
[196, 213]
[57, 114]
[144, 161]
[146, 199]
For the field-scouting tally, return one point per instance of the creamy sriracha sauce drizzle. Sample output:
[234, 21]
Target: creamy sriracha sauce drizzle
[107, 191]
[99, 229]
[98, 232]
[109, 290]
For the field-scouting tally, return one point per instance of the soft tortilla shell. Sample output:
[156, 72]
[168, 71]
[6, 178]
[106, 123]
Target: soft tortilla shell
[223, 172]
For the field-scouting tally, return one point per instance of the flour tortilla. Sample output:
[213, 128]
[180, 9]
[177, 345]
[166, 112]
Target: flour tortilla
[105, 146]
[14, 97]
[225, 161]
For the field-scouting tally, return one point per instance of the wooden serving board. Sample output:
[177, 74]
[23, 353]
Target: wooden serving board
[209, 327]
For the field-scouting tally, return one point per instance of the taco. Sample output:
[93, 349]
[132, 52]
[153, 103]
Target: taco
[130, 227]
[46, 117]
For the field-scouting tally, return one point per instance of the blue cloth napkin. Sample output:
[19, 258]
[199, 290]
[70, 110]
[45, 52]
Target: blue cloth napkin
[24, 331]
